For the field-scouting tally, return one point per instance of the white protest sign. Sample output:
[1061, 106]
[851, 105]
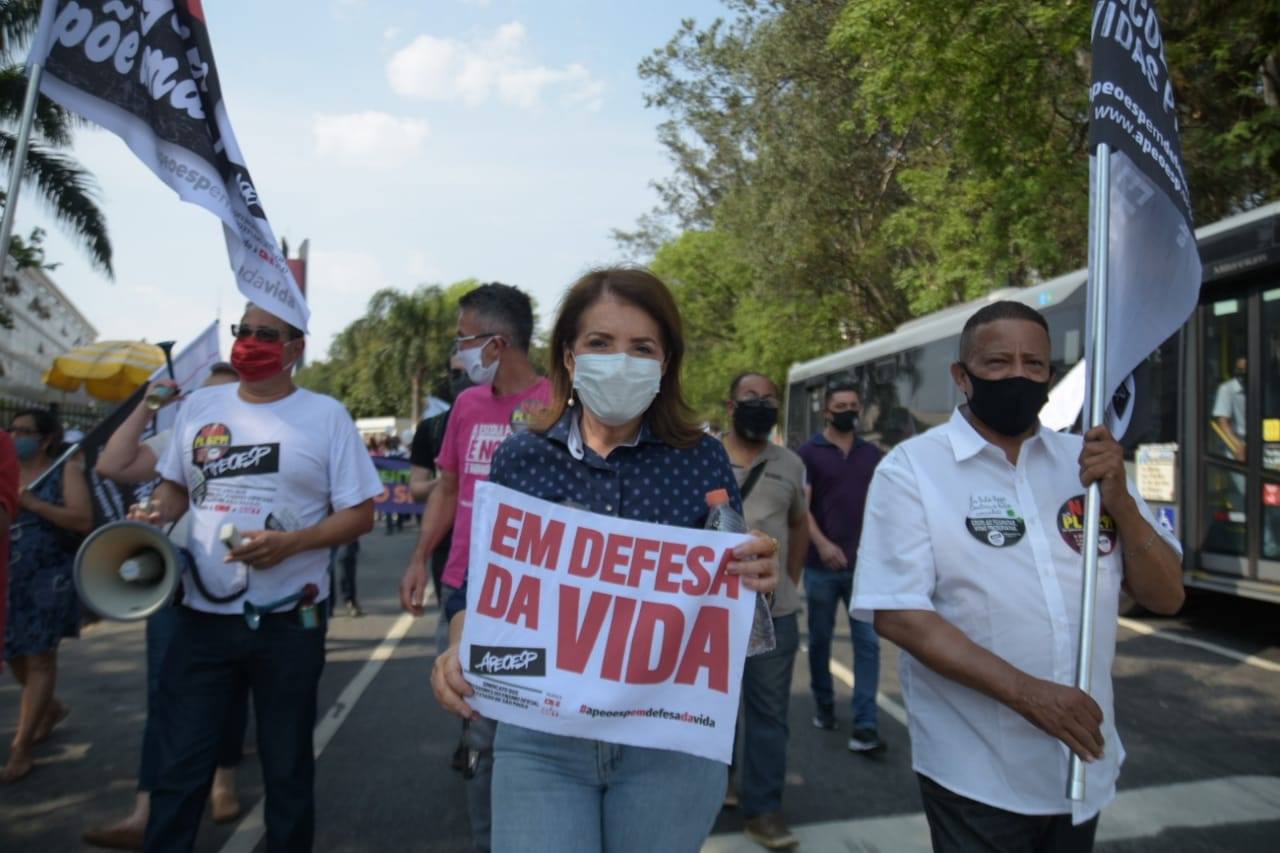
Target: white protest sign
[598, 627]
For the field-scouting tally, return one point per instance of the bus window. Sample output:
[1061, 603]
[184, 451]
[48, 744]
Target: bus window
[1226, 370]
[1270, 426]
[1155, 415]
[1226, 430]
[934, 394]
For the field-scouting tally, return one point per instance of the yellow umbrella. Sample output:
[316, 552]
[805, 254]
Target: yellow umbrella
[109, 370]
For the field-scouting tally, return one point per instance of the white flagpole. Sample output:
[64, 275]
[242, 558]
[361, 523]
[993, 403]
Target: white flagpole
[1100, 220]
[19, 159]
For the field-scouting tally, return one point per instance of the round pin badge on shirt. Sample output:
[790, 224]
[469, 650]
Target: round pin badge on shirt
[1071, 527]
[993, 520]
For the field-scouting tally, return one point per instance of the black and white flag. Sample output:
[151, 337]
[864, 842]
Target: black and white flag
[1154, 267]
[144, 70]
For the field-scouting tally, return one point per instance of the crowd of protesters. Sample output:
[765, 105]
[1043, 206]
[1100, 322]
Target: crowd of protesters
[900, 542]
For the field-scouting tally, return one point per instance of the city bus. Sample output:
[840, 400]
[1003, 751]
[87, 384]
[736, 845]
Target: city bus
[1204, 436]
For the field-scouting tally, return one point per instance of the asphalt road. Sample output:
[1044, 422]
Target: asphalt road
[1201, 727]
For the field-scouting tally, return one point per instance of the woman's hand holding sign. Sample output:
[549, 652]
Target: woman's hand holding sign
[756, 560]
[447, 682]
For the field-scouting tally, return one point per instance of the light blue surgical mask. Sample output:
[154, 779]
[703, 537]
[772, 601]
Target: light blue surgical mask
[616, 387]
[26, 446]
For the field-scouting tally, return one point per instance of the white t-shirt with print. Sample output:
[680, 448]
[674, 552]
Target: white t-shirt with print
[283, 465]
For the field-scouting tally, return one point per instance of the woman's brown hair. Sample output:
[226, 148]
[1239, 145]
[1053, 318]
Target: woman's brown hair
[669, 416]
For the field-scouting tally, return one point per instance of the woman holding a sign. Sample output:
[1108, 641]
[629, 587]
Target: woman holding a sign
[616, 441]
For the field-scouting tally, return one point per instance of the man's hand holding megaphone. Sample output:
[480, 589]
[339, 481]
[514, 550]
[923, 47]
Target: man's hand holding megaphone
[165, 505]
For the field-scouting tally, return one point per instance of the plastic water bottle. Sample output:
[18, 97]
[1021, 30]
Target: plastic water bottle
[725, 518]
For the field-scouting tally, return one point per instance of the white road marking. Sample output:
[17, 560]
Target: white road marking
[252, 826]
[1148, 631]
[1140, 813]
[44, 807]
[890, 707]
[842, 672]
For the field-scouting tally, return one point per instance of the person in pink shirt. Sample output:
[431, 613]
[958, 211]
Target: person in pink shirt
[495, 325]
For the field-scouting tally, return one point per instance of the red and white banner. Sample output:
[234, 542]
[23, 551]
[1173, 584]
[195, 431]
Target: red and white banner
[144, 70]
[598, 627]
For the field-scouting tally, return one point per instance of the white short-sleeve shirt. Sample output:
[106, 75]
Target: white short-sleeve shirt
[283, 465]
[951, 526]
[1229, 402]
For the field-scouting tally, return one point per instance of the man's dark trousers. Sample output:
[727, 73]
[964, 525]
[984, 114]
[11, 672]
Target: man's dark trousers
[211, 655]
[160, 630]
[766, 697]
[958, 824]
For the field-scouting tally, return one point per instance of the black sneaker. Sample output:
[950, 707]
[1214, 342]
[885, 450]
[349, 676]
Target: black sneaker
[865, 741]
[825, 720]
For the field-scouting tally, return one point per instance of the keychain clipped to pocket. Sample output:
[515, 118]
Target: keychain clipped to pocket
[307, 616]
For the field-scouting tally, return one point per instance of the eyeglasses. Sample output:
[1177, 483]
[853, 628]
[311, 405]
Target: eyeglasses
[266, 334]
[466, 339]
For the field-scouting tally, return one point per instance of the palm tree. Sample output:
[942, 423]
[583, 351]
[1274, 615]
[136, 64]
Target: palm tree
[415, 330]
[65, 186]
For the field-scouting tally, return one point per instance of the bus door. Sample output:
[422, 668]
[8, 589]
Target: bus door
[1239, 419]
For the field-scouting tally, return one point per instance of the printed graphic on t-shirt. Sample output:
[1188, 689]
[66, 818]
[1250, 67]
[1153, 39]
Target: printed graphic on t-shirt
[242, 461]
[483, 443]
[210, 440]
[524, 414]
[1071, 526]
[994, 520]
[219, 468]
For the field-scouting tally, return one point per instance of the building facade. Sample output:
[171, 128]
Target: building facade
[46, 324]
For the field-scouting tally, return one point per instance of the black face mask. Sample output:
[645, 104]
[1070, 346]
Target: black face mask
[1009, 406]
[458, 382]
[754, 420]
[846, 421]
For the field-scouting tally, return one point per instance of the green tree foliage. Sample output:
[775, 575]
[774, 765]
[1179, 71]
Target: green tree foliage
[842, 165]
[387, 361]
[993, 98]
[764, 148]
[731, 325]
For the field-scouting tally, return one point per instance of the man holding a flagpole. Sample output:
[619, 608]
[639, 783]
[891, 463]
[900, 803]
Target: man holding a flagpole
[971, 564]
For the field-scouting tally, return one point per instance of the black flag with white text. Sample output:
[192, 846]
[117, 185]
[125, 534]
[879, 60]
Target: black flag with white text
[1154, 267]
[144, 70]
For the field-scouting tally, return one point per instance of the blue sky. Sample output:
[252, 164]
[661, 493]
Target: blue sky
[410, 141]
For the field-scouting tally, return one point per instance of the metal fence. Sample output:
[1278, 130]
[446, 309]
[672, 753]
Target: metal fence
[79, 416]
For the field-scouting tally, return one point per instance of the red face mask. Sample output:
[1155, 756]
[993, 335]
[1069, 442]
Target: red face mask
[257, 360]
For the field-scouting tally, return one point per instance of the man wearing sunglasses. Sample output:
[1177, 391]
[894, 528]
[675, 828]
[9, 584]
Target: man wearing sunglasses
[273, 476]
[495, 325]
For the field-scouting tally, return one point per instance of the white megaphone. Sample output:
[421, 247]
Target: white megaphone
[127, 571]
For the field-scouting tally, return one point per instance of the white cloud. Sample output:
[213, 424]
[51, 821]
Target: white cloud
[391, 33]
[497, 66]
[370, 139]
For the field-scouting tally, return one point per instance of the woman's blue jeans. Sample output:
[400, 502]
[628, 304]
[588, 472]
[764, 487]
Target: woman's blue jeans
[553, 794]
